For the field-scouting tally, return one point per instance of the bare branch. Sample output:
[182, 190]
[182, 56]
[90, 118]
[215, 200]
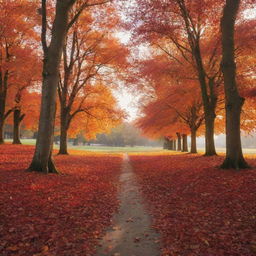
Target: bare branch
[80, 10]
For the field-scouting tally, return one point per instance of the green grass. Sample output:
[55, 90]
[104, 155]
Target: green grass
[108, 149]
[116, 149]
[223, 150]
[93, 148]
[23, 141]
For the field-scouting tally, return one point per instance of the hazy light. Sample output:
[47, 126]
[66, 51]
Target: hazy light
[123, 36]
[128, 102]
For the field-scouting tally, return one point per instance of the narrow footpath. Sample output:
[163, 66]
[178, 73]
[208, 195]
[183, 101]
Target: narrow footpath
[131, 233]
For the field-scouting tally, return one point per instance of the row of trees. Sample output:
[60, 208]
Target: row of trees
[181, 144]
[193, 56]
[80, 57]
[198, 68]
[19, 62]
[125, 134]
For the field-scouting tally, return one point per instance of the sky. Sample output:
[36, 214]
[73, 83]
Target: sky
[127, 100]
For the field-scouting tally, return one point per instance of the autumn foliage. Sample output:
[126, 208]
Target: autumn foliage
[197, 208]
[19, 61]
[47, 215]
[183, 41]
[60, 62]
[90, 60]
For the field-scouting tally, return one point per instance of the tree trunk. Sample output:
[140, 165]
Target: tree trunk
[1, 130]
[233, 101]
[171, 145]
[2, 110]
[193, 148]
[63, 142]
[209, 99]
[3, 94]
[207, 92]
[179, 141]
[3, 117]
[42, 160]
[209, 103]
[184, 143]
[209, 134]
[63, 133]
[168, 144]
[174, 145]
[165, 146]
[17, 118]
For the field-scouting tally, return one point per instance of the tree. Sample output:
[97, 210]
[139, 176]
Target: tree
[184, 143]
[233, 101]
[25, 112]
[126, 134]
[165, 113]
[24, 80]
[16, 39]
[86, 55]
[95, 112]
[189, 30]
[64, 19]
[179, 141]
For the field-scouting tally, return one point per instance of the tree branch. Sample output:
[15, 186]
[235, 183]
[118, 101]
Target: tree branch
[8, 113]
[80, 10]
[44, 27]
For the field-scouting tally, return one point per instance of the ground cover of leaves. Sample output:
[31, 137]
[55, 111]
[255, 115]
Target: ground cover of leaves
[197, 208]
[50, 215]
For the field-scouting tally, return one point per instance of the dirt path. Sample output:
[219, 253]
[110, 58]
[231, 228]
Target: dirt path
[131, 233]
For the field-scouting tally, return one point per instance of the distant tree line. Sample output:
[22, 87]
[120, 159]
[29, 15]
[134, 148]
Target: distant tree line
[125, 135]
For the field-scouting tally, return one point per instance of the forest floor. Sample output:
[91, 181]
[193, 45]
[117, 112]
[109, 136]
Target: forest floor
[197, 208]
[56, 215]
[183, 200]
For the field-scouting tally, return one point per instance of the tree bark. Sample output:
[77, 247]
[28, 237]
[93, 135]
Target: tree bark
[193, 148]
[174, 145]
[210, 120]
[168, 144]
[179, 141]
[42, 159]
[17, 118]
[63, 95]
[207, 89]
[3, 94]
[63, 150]
[2, 111]
[233, 101]
[171, 145]
[209, 103]
[209, 134]
[184, 143]
[1, 131]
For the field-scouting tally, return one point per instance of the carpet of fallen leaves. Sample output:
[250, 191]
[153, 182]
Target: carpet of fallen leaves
[55, 215]
[197, 208]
